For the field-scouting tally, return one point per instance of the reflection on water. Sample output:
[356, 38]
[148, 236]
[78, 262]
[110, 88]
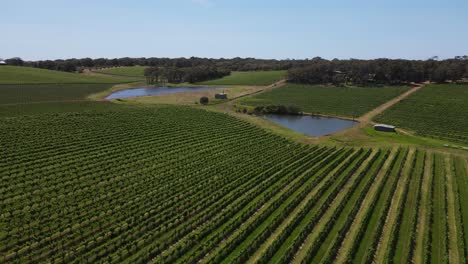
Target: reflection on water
[311, 125]
[155, 91]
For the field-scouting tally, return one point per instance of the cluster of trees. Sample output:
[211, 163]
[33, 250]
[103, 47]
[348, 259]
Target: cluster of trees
[379, 71]
[278, 109]
[312, 71]
[178, 75]
[234, 64]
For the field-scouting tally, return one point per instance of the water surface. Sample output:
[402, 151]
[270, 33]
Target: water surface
[156, 91]
[311, 125]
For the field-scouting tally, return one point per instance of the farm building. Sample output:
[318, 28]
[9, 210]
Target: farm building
[384, 128]
[221, 96]
[2, 62]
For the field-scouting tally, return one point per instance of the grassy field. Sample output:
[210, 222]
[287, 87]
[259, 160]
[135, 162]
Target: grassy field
[35, 93]
[28, 91]
[75, 191]
[328, 100]
[436, 110]
[254, 78]
[27, 75]
[134, 71]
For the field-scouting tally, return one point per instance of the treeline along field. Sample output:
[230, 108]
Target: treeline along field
[130, 71]
[329, 100]
[258, 78]
[180, 185]
[439, 111]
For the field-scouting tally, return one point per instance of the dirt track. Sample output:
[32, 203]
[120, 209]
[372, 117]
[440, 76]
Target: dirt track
[367, 118]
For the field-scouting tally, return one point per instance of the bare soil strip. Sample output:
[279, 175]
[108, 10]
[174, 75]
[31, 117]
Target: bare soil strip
[423, 224]
[367, 118]
[390, 222]
[352, 233]
[451, 218]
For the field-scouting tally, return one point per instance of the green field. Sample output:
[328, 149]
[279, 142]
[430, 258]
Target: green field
[92, 186]
[34, 93]
[439, 111]
[134, 71]
[27, 75]
[328, 100]
[254, 78]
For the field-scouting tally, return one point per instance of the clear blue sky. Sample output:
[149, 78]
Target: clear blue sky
[413, 29]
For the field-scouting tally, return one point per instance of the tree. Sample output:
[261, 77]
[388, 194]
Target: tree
[16, 61]
[204, 100]
[152, 75]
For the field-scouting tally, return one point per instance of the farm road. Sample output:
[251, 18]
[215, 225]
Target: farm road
[367, 118]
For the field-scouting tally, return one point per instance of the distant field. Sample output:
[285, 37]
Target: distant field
[28, 75]
[435, 110]
[134, 71]
[329, 100]
[260, 78]
[40, 108]
[33, 93]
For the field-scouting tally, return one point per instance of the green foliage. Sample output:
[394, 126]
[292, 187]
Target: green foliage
[204, 100]
[254, 78]
[170, 184]
[330, 100]
[438, 111]
[132, 71]
[34, 93]
[27, 75]
[277, 109]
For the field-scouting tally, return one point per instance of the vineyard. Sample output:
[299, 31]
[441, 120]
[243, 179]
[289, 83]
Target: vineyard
[28, 75]
[255, 78]
[436, 110]
[329, 100]
[179, 185]
[133, 71]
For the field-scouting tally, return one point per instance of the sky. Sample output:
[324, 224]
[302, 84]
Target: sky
[269, 29]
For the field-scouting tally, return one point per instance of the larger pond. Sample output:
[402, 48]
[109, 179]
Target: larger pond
[311, 125]
[155, 91]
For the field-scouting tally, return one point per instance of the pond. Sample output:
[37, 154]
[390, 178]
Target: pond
[311, 125]
[155, 91]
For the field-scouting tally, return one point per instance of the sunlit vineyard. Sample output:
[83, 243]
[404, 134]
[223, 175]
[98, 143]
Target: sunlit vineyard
[439, 111]
[181, 185]
[328, 100]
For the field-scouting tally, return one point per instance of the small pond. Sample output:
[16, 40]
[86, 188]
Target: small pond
[311, 125]
[155, 91]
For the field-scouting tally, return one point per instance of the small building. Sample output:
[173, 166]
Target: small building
[221, 96]
[2, 62]
[385, 128]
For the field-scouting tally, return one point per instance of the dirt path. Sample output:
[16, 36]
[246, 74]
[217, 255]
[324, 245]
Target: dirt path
[269, 87]
[367, 118]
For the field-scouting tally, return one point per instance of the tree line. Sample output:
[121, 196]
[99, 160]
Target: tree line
[312, 71]
[161, 75]
[234, 64]
[379, 71]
